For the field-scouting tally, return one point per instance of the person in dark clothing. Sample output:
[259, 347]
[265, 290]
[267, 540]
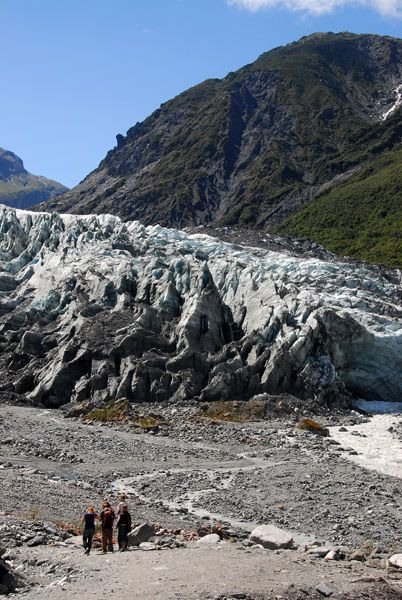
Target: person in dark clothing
[107, 517]
[89, 528]
[123, 527]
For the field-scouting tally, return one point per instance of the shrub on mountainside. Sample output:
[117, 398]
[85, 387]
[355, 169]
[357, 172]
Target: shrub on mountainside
[360, 218]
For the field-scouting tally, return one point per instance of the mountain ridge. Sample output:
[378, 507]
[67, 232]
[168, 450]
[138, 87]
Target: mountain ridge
[21, 189]
[253, 148]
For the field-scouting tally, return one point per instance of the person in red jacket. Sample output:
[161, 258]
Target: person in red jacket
[107, 518]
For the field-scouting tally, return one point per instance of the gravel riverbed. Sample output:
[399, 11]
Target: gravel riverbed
[190, 474]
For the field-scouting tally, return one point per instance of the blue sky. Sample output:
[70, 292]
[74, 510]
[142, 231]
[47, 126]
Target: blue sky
[77, 72]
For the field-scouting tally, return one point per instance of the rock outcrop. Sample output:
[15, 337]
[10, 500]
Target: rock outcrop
[93, 309]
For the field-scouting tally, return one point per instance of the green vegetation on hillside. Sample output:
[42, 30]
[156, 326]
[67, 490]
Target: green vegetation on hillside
[360, 218]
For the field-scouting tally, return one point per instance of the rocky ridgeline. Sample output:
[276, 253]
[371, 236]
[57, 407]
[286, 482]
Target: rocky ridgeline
[95, 309]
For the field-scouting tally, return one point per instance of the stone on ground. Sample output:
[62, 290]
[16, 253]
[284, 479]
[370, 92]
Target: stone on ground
[271, 537]
[212, 538]
[324, 590]
[396, 560]
[312, 427]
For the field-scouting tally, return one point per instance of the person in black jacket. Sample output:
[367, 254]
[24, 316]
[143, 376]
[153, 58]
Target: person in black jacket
[123, 527]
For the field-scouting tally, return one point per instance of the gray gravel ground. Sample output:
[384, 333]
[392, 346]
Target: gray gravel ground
[190, 474]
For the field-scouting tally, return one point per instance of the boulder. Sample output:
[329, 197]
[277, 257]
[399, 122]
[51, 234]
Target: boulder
[38, 540]
[140, 534]
[10, 580]
[210, 539]
[320, 551]
[359, 556]
[333, 555]
[396, 560]
[271, 537]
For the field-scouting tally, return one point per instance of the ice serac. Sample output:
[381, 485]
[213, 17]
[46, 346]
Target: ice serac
[92, 308]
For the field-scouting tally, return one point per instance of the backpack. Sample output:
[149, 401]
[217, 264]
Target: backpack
[108, 518]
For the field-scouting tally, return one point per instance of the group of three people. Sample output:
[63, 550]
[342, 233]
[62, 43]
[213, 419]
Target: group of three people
[107, 518]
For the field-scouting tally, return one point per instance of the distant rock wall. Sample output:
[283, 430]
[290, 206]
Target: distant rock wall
[92, 309]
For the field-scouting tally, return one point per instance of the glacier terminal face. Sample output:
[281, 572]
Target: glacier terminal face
[94, 308]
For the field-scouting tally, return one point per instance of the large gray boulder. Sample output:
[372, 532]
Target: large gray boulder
[140, 534]
[271, 537]
[9, 579]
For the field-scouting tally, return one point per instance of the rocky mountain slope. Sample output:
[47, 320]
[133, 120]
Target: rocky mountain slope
[21, 189]
[93, 309]
[252, 149]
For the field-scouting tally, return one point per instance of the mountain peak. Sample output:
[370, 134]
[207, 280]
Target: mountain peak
[259, 145]
[21, 189]
[10, 164]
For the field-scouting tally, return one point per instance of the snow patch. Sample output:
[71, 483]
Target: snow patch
[396, 105]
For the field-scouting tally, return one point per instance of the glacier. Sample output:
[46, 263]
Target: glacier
[93, 308]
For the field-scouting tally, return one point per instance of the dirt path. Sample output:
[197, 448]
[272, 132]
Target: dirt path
[198, 571]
